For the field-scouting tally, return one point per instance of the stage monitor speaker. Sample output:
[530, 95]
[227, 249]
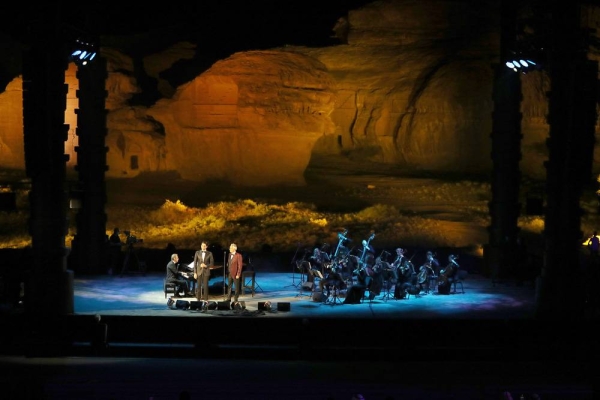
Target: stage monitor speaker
[196, 305]
[264, 306]
[224, 305]
[283, 306]
[182, 304]
[354, 295]
[212, 305]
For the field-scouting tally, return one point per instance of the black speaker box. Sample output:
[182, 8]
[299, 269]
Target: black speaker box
[264, 306]
[182, 304]
[354, 295]
[212, 305]
[196, 305]
[223, 305]
[283, 306]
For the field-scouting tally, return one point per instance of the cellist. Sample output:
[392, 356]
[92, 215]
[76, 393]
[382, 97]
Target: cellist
[447, 275]
[427, 270]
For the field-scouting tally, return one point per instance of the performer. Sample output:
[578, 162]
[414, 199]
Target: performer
[427, 271]
[404, 268]
[235, 264]
[181, 285]
[447, 275]
[319, 257]
[203, 262]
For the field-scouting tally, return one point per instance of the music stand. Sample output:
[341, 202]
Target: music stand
[334, 298]
[294, 261]
[251, 267]
[302, 265]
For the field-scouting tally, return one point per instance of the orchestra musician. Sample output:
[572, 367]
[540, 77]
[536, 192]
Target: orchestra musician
[428, 271]
[203, 262]
[447, 275]
[332, 281]
[402, 267]
[319, 257]
[367, 275]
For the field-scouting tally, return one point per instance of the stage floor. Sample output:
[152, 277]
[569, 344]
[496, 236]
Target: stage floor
[464, 345]
[139, 295]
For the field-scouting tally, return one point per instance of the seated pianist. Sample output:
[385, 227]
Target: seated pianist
[186, 271]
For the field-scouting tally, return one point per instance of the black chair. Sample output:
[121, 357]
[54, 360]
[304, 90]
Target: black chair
[458, 279]
[169, 287]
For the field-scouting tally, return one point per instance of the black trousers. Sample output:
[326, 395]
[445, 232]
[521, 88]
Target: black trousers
[181, 286]
[232, 281]
[202, 289]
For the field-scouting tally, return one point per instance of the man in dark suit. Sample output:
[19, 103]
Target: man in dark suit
[203, 262]
[181, 285]
[235, 263]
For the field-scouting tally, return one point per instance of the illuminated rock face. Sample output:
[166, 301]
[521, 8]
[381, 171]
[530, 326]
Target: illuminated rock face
[251, 119]
[410, 85]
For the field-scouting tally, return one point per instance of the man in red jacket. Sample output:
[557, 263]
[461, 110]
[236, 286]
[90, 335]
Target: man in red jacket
[234, 261]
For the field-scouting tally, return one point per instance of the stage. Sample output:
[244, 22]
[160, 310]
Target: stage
[472, 345]
[143, 295]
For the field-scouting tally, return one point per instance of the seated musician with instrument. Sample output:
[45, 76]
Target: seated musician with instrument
[173, 276]
[447, 275]
[403, 268]
[332, 281]
[428, 271]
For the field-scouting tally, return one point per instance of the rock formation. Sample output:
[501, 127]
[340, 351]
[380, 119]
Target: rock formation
[410, 84]
[252, 119]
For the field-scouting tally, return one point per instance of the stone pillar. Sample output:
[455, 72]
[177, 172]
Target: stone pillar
[572, 118]
[90, 243]
[48, 290]
[501, 251]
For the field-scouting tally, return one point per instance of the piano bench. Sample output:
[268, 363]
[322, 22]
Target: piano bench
[170, 287]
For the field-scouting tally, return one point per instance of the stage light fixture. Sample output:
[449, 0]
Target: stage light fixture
[523, 65]
[83, 52]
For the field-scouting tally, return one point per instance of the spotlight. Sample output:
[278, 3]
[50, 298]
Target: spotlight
[84, 52]
[521, 63]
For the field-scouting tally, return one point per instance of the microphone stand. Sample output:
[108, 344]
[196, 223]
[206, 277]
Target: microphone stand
[225, 265]
[293, 270]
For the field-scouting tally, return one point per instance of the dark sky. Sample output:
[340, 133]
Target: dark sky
[219, 28]
[249, 23]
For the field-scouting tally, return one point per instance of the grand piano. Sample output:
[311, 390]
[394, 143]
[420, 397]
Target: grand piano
[186, 271]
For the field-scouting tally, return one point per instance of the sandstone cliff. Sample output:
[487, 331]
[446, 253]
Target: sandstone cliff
[409, 84]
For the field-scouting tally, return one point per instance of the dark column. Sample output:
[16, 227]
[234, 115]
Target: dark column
[572, 118]
[501, 251]
[90, 242]
[48, 290]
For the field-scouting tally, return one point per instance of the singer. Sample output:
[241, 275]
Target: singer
[235, 264]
